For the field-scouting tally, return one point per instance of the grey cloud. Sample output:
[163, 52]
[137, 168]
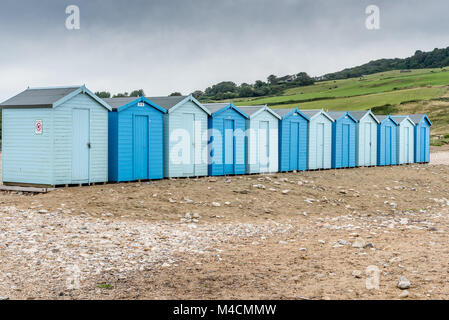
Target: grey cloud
[183, 45]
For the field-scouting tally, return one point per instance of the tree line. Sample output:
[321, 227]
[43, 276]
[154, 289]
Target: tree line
[438, 58]
[274, 85]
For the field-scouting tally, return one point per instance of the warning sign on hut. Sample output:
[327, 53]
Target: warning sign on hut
[38, 127]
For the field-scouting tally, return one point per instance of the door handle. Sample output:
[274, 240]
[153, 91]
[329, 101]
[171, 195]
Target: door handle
[89, 145]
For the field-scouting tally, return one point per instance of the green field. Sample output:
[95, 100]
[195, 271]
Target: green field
[418, 91]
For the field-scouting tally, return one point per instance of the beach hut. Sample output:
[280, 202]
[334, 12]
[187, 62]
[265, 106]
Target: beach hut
[262, 137]
[227, 145]
[293, 139]
[320, 139]
[344, 139]
[136, 139]
[366, 138]
[422, 137]
[406, 143]
[387, 144]
[185, 136]
[55, 136]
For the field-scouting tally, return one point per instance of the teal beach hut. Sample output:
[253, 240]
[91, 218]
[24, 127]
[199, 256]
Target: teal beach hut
[344, 139]
[55, 136]
[293, 140]
[387, 141]
[185, 136]
[422, 137]
[227, 143]
[136, 139]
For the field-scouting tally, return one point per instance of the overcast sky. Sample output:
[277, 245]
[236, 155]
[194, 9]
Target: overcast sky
[183, 45]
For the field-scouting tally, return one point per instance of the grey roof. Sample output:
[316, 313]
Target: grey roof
[416, 118]
[311, 113]
[359, 114]
[399, 119]
[39, 97]
[214, 107]
[381, 118]
[116, 103]
[250, 110]
[336, 114]
[283, 112]
[167, 102]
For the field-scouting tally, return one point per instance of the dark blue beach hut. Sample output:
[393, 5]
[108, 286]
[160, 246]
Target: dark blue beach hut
[293, 139]
[387, 141]
[136, 139]
[227, 145]
[422, 137]
[344, 139]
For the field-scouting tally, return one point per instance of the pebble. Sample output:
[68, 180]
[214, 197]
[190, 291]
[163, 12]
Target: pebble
[216, 204]
[285, 191]
[404, 294]
[359, 243]
[403, 283]
[357, 273]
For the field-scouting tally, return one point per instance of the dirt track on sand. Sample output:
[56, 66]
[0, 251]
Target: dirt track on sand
[283, 236]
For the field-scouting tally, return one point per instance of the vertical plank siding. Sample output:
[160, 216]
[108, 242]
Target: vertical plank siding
[27, 157]
[387, 145]
[406, 144]
[362, 137]
[253, 156]
[122, 139]
[98, 154]
[216, 142]
[175, 120]
[313, 143]
[340, 147]
[422, 141]
[286, 140]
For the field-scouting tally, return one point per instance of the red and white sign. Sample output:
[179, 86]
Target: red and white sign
[38, 127]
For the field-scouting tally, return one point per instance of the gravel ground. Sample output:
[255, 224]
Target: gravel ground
[314, 235]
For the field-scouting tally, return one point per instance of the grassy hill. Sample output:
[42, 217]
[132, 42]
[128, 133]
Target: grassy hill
[399, 92]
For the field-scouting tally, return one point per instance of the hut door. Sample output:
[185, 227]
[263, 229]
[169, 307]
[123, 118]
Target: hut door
[229, 147]
[368, 144]
[407, 144]
[320, 145]
[294, 149]
[189, 154]
[422, 145]
[264, 146]
[345, 146]
[80, 145]
[388, 145]
[140, 148]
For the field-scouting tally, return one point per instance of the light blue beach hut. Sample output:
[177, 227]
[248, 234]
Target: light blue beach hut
[136, 139]
[185, 136]
[406, 137]
[55, 136]
[227, 143]
[387, 141]
[344, 139]
[293, 139]
[262, 136]
[422, 137]
[320, 139]
[366, 138]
